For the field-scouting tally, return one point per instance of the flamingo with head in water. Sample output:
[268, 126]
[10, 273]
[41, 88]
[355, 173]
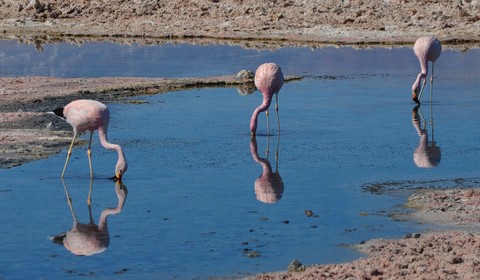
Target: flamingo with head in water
[427, 49]
[91, 115]
[269, 81]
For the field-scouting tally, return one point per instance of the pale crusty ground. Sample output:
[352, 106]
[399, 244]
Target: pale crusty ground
[308, 21]
[449, 254]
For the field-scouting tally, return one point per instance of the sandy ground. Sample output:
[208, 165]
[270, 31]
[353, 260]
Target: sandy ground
[27, 132]
[307, 21]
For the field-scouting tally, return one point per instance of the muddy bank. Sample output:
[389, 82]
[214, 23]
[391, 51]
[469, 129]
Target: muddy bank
[353, 22]
[28, 132]
[450, 254]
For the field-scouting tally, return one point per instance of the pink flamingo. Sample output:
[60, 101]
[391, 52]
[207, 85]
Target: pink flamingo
[91, 115]
[427, 49]
[269, 81]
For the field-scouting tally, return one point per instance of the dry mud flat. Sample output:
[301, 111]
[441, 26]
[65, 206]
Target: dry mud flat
[345, 21]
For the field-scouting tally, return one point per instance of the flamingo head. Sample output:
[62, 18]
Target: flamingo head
[120, 169]
[415, 90]
[415, 98]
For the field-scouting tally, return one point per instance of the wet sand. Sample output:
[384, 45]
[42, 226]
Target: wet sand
[28, 133]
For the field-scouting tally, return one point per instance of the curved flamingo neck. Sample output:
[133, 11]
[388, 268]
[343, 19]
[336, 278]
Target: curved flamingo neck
[267, 99]
[423, 72]
[423, 65]
[102, 133]
[418, 81]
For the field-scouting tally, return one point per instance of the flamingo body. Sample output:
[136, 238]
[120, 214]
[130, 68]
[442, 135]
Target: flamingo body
[85, 115]
[426, 49]
[91, 115]
[268, 80]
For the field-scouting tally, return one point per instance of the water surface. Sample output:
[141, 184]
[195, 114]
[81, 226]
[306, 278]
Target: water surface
[192, 210]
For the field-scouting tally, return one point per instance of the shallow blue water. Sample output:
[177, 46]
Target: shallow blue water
[192, 210]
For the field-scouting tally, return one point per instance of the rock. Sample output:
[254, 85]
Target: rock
[309, 213]
[296, 266]
[245, 75]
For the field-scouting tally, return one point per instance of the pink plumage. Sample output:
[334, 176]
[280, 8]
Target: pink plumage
[426, 49]
[85, 115]
[91, 115]
[268, 80]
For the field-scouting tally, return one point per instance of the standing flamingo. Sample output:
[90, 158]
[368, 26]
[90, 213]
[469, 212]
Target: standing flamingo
[91, 115]
[269, 81]
[427, 49]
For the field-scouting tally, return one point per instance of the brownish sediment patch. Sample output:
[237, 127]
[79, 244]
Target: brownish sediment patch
[392, 21]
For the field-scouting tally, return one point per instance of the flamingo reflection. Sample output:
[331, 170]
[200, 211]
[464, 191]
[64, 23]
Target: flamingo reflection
[269, 185]
[427, 154]
[90, 239]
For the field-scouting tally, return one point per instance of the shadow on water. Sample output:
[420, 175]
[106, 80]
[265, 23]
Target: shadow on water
[90, 239]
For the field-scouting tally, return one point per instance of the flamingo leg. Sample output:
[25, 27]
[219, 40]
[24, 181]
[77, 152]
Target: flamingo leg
[268, 122]
[431, 78]
[89, 199]
[69, 153]
[276, 109]
[276, 152]
[431, 84]
[267, 150]
[89, 153]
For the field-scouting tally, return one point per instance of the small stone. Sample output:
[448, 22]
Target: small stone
[295, 266]
[245, 75]
[457, 260]
[376, 272]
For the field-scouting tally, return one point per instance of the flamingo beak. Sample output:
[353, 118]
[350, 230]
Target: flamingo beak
[253, 134]
[415, 97]
[118, 176]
